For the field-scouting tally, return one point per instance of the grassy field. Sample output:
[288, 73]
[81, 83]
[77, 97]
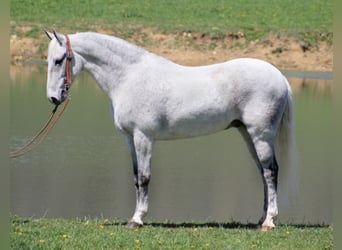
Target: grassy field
[197, 25]
[216, 17]
[106, 234]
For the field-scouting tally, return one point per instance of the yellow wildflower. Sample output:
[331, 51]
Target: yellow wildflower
[41, 241]
[136, 241]
[65, 236]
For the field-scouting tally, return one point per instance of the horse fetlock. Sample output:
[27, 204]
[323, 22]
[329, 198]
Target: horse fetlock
[273, 212]
[139, 215]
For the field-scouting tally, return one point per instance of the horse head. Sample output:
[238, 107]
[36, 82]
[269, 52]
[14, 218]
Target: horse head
[62, 67]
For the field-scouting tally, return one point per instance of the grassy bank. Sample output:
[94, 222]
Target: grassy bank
[106, 234]
[201, 16]
[307, 19]
[212, 30]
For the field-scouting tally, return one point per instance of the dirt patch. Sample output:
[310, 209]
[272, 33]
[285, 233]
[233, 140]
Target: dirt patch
[23, 48]
[286, 53]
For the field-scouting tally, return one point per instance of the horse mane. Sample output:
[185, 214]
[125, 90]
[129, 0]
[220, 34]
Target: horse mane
[112, 46]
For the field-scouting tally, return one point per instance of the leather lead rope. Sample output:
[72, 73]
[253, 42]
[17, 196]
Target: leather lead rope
[28, 146]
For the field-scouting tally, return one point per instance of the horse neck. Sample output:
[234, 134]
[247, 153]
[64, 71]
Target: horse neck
[106, 58]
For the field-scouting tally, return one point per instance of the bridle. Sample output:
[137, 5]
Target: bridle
[67, 70]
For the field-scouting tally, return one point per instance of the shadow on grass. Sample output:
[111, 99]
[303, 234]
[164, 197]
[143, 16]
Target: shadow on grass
[230, 225]
[169, 224]
[225, 225]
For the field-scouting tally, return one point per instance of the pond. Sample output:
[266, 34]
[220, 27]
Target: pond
[83, 169]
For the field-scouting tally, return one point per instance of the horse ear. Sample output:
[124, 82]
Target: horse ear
[49, 34]
[57, 38]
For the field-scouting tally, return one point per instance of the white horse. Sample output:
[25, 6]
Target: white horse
[153, 99]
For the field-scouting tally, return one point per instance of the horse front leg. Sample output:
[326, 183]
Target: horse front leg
[141, 152]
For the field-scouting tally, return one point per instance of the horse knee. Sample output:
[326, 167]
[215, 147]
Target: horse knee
[141, 181]
[144, 180]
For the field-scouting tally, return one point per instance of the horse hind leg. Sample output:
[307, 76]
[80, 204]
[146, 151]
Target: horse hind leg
[269, 172]
[262, 151]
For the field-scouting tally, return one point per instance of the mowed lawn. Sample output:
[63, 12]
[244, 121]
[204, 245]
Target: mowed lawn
[108, 234]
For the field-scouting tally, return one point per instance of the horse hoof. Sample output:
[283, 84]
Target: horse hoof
[265, 228]
[134, 225]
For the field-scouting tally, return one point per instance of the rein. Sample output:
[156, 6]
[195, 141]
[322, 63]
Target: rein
[67, 83]
[27, 147]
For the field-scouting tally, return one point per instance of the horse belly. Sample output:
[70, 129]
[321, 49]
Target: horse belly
[185, 125]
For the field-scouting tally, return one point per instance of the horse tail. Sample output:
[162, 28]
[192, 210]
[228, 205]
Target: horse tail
[286, 154]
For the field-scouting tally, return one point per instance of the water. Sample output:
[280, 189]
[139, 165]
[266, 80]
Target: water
[83, 169]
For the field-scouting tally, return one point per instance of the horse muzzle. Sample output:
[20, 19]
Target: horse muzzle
[61, 96]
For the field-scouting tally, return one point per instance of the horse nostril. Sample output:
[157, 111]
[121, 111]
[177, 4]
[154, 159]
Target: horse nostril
[54, 100]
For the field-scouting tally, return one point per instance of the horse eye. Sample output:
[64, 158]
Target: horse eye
[59, 61]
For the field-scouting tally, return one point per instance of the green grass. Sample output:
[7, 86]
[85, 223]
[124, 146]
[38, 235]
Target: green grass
[216, 17]
[105, 234]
